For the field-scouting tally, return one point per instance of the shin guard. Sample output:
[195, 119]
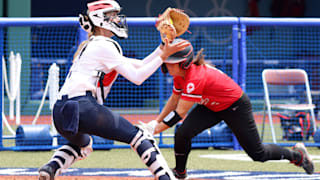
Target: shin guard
[145, 146]
[65, 156]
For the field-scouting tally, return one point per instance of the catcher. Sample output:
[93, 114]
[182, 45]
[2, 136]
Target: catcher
[172, 23]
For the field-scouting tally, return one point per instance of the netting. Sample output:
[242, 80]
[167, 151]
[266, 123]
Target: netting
[40, 46]
[291, 45]
[241, 53]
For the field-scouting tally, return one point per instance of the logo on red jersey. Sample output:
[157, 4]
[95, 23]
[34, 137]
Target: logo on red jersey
[190, 87]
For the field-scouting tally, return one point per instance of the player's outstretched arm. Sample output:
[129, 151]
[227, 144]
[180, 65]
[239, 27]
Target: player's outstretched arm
[137, 63]
[139, 75]
[174, 111]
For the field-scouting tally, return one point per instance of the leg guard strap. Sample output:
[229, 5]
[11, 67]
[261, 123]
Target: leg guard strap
[146, 147]
[65, 156]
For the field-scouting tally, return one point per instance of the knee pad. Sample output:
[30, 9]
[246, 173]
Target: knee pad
[145, 146]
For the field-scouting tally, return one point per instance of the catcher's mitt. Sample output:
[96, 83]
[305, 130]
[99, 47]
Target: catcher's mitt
[172, 23]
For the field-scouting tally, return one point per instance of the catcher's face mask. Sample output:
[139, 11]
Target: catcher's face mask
[184, 57]
[101, 16]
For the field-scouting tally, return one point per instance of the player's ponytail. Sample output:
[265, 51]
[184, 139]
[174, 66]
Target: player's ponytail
[81, 45]
[199, 59]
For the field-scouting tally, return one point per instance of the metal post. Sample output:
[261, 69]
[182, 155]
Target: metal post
[243, 57]
[1, 90]
[235, 70]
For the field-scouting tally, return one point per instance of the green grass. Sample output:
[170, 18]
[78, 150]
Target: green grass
[127, 158]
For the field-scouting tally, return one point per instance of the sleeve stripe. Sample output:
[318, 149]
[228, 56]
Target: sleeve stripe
[177, 90]
[191, 95]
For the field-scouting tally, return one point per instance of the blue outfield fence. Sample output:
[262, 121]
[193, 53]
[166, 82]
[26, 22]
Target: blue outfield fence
[241, 47]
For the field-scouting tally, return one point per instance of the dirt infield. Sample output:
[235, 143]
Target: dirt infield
[133, 118]
[46, 119]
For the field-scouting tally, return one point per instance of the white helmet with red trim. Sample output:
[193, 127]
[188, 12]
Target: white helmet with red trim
[97, 11]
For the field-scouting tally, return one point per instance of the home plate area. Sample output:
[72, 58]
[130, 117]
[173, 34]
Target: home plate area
[92, 173]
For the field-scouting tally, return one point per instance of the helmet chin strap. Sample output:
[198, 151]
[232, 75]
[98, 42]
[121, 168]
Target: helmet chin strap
[119, 37]
[117, 26]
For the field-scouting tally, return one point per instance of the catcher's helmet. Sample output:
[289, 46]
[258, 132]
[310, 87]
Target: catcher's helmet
[184, 57]
[97, 15]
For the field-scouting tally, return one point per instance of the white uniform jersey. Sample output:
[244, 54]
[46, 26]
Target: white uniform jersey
[103, 54]
[99, 54]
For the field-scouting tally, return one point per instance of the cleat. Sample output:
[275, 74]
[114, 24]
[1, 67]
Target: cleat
[180, 175]
[47, 172]
[43, 175]
[305, 162]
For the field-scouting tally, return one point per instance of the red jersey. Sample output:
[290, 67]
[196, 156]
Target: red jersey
[208, 86]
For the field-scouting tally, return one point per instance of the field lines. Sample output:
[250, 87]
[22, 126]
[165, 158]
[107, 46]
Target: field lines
[144, 174]
[245, 157]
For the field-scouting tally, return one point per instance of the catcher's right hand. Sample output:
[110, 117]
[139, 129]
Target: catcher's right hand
[172, 23]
